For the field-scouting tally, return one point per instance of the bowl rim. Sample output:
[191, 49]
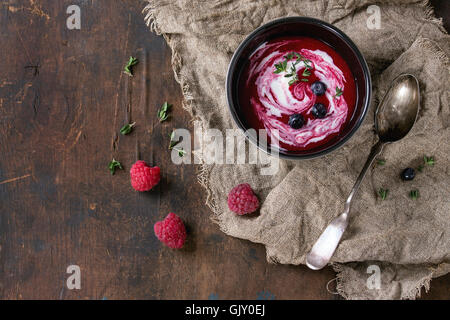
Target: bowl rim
[331, 28]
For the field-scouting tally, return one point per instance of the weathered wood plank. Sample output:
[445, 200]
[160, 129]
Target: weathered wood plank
[63, 97]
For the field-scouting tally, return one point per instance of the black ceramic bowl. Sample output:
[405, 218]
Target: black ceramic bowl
[313, 28]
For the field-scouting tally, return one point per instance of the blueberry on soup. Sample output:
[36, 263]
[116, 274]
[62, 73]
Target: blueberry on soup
[319, 110]
[318, 88]
[408, 174]
[296, 121]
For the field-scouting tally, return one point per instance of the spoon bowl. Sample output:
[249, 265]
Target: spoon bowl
[398, 110]
[394, 119]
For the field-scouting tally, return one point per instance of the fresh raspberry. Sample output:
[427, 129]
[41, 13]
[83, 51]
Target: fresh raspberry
[144, 177]
[171, 231]
[242, 200]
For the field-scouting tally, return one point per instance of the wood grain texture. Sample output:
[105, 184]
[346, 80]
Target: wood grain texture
[63, 98]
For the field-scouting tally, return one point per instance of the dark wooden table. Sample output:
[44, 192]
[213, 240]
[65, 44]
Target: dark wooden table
[63, 98]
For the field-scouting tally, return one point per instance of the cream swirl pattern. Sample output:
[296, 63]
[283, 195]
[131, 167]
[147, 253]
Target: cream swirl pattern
[276, 99]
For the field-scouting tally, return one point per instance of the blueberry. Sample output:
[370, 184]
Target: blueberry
[296, 121]
[318, 88]
[319, 111]
[408, 174]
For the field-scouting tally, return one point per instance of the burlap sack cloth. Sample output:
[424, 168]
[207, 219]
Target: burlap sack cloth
[407, 239]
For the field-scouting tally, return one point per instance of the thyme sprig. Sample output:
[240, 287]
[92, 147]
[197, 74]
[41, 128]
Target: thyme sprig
[383, 193]
[173, 142]
[428, 160]
[114, 165]
[414, 194]
[339, 92]
[126, 129]
[292, 73]
[181, 151]
[173, 145]
[128, 69]
[163, 112]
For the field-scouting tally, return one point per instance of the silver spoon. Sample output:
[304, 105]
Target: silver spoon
[394, 118]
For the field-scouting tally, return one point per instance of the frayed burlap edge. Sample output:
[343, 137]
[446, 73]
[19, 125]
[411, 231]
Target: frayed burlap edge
[413, 294]
[429, 15]
[205, 169]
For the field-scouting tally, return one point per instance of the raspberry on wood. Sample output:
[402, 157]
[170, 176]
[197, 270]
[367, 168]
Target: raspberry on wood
[171, 231]
[144, 177]
[242, 200]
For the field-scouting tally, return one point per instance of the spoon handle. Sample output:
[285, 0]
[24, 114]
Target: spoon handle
[324, 248]
[374, 152]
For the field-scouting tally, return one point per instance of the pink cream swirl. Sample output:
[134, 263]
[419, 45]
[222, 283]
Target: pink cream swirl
[277, 99]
